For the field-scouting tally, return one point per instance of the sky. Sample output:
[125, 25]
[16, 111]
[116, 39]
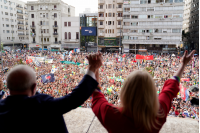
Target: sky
[79, 5]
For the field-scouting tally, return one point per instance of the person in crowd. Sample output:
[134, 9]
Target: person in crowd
[140, 110]
[23, 111]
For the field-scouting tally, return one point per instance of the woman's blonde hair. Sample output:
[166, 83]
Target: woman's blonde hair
[139, 99]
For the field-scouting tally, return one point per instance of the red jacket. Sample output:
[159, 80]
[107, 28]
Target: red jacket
[116, 122]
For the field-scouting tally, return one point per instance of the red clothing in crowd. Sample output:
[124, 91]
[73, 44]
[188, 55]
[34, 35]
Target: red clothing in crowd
[116, 122]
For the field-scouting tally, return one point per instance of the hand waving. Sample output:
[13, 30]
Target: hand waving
[187, 58]
[95, 61]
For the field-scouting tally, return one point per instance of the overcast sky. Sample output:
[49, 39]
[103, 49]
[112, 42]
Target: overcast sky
[79, 5]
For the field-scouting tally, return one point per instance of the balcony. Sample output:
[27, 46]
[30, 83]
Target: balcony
[26, 19]
[100, 10]
[32, 26]
[119, 9]
[27, 29]
[26, 24]
[21, 34]
[100, 18]
[101, 1]
[20, 18]
[19, 7]
[33, 42]
[19, 13]
[20, 29]
[119, 18]
[71, 40]
[33, 35]
[25, 8]
[120, 1]
[101, 34]
[118, 34]
[119, 26]
[55, 26]
[26, 13]
[55, 34]
[27, 34]
[22, 24]
[101, 26]
[56, 42]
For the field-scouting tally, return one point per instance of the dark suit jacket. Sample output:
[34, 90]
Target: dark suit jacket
[42, 113]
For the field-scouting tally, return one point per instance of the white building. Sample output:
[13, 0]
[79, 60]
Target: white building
[152, 25]
[45, 19]
[14, 24]
[70, 33]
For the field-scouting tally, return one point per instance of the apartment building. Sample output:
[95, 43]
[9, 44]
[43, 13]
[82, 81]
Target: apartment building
[152, 25]
[110, 21]
[45, 19]
[70, 33]
[191, 25]
[14, 28]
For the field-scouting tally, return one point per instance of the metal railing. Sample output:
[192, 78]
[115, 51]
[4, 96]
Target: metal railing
[21, 34]
[33, 42]
[55, 26]
[32, 26]
[20, 28]
[56, 42]
[19, 6]
[20, 12]
[55, 33]
[21, 23]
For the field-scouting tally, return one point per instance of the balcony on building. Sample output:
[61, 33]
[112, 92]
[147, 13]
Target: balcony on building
[55, 26]
[26, 13]
[26, 24]
[101, 26]
[119, 26]
[19, 7]
[19, 13]
[21, 34]
[25, 8]
[56, 42]
[20, 18]
[71, 40]
[101, 1]
[100, 18]
[101, 34]
[119, 18]
[55, 34]
[20, 29]
[100, 10]
[32, 26]
[33, 41]
[19, 23]
[27, 29]
[33, 35]
[120, 1]
[119, 9]
[26, 19]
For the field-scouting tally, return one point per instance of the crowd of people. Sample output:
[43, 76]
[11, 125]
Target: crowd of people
[113, 73]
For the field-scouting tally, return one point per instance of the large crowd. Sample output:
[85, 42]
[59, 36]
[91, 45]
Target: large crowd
[113, 73]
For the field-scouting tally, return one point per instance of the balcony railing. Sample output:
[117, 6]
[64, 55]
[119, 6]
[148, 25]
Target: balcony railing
[32, 26]
[19, 6]
[21, 23]
[19, 18]
[26, 18]
[26, 13]
[21, 34]
[56, 42]
[55, 26]
[20, 12]
[55, 33]
[26, 23]
[20, 28]
[25, 7]
[33, 42]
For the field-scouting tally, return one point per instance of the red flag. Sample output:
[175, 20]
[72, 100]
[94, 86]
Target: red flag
[148, 57]
[139, 57]
[124, 55]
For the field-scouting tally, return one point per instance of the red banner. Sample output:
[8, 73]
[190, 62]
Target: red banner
[185, 79]
[182, 91]
[139, 57]
[148, 57]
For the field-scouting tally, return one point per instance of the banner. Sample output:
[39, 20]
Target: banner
[183, 91]
[148, 57]
[48, 60]
[48, 78]
[139, 57]
[70, 62]
[185, 79]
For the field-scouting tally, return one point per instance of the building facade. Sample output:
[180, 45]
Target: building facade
[70, 33]
[152, 26]
[110, 20]
[45, 19]
[88, 43]
[14, 30]
[191, 25]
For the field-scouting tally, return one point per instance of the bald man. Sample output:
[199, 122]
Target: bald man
[25, 112]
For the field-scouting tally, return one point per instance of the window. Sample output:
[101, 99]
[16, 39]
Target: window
[176, 30]
[32, 15]
[47, 30]
[119, 6]
[143, 1]
[134, 17]
[44, 30]
[11, 8]
[65, 24]
[3, 31]
[69, 24]
[101, 6]
[158, 30]
[6, 13]
[7, 31]
[159, 1]
[177, 15]
[47, 39]
[101, 15]
[113, 31]
[113, 6]
[113, 23]
[7, 25]
[109, 22]
[32, 7]
[119, 22]
[41, 15]
[11, 20]
[109, 14]
[69, 34]
[113, 14]
[109, 6]
[5, 7]
[77, 35]
[101, 22]
[149, 16]
[40, 22]
[65, 35]
[54, 6]
[11, 14]
[167, 16]
[150, 8]
[47, 15]
[7, 19]
[55, 15]
[158, 16]
[45, 46]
